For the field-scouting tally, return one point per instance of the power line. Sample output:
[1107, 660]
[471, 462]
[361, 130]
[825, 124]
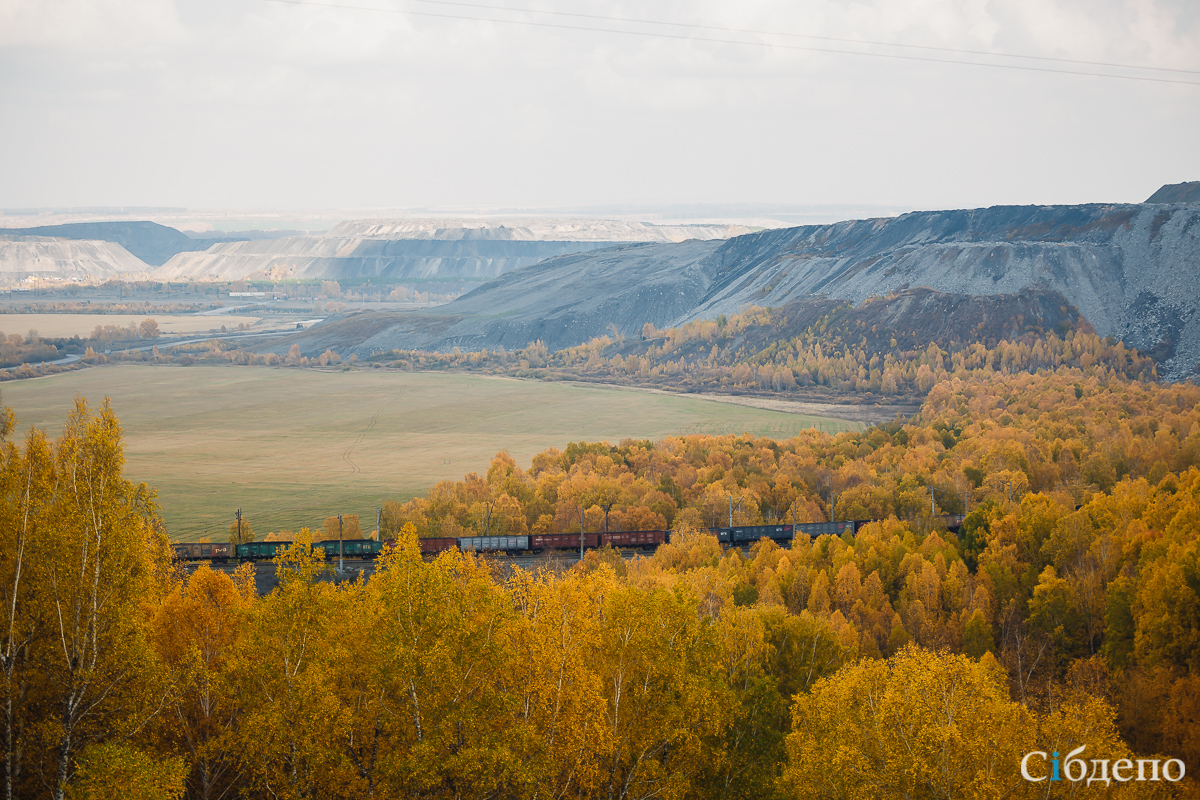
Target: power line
[697, 26]
[811, 49]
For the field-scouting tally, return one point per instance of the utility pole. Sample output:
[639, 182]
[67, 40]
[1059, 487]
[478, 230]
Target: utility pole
[487, 518]
[378, 515]
[944, 493]
[932, 508]
[964, 495]
[339, 542]
[239, 524]
[581, 532]
[729, 499]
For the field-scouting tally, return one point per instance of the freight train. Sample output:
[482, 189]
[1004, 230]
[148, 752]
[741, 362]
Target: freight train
[264, 551]
[368, 549]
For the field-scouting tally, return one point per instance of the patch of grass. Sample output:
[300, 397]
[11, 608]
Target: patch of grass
[291, 447]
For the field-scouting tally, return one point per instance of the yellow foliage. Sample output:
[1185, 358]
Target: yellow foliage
[108, 770]
[918, 724]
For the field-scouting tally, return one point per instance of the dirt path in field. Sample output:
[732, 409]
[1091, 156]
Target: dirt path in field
[355, 468]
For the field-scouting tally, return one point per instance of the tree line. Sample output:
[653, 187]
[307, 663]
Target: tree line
[755, 352]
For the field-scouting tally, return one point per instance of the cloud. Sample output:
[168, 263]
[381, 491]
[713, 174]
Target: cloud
[83, 24]
[250, 102]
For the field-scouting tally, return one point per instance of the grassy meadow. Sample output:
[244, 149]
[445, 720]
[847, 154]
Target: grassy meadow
[66, 325]
[291, 447]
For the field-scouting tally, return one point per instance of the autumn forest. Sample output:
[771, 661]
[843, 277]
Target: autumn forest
[905, 661]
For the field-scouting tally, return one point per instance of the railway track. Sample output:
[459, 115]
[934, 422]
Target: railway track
[265, 580]
[504, 553]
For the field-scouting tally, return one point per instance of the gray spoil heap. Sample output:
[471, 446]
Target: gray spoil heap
[1177, 193]
[42, 257]
[149, 242]
[1132, 270]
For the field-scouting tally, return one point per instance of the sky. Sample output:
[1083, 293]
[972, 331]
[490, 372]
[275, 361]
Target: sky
[265, 104]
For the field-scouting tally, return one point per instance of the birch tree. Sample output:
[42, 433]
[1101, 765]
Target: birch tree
[105, 553]
[24, 480]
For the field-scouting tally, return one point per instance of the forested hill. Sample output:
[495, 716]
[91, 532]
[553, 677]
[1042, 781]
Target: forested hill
[1129, 269]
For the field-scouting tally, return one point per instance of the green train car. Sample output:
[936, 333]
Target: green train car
[358, 549]
[361, 549]
[259, 551]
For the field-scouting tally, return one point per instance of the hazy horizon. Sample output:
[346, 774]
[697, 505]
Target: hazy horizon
[200, 220]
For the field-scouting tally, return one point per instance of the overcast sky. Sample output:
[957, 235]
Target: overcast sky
[259, 104]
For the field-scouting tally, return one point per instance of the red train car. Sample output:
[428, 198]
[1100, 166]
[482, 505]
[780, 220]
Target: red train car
[436, 545]
[203, 551]
[562, 541]
[634, 538]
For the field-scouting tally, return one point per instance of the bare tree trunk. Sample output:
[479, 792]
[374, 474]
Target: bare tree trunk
[205, 780]
[9, 744]
[64, 759]
[14, 649]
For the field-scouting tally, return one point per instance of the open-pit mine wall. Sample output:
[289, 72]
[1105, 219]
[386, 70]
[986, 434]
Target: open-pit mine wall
[339, 258]
[416, 249]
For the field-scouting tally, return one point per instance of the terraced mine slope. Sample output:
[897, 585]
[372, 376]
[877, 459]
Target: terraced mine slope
[415, 249]
[64, 260]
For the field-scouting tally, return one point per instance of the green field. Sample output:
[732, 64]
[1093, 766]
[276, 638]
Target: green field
[291, 447]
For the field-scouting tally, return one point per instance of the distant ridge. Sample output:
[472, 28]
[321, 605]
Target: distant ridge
[534, 229]
[426, 249]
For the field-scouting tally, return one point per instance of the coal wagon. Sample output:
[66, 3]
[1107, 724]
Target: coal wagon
[501, 544]
[633, 538]
[203, 551]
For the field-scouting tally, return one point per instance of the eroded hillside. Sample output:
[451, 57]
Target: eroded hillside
[1131, 270]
